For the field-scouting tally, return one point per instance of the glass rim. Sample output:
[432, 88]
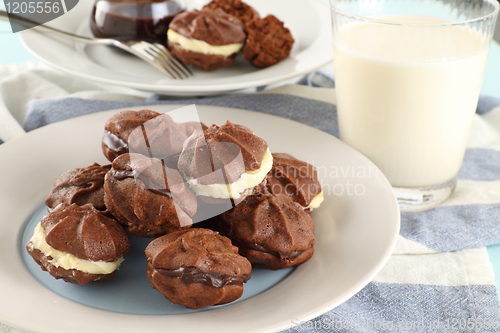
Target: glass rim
[495, 3]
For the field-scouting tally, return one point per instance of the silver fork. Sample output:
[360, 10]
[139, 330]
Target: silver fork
[154, 54]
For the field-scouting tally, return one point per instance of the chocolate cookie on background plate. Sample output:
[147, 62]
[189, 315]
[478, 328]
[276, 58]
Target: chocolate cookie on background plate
[207, 39]
[268, 41]
[236, 8]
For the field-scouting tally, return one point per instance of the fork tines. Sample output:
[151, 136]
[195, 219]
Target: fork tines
[165, 54]
[162, 56]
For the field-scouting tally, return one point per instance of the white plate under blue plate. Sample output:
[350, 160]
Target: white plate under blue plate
[356, 230]
[308, 20]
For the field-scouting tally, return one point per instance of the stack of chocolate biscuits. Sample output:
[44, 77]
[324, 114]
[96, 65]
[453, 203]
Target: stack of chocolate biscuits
[163, 177]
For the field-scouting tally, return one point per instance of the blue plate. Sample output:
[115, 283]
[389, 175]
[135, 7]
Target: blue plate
[129, 291]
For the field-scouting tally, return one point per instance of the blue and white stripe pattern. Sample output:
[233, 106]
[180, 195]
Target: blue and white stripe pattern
[425, 287]
[471, 217]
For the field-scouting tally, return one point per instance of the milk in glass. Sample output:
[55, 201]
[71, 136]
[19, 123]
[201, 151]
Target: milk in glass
[411, 114]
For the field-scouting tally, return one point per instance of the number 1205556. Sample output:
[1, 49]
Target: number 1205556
[31, 7]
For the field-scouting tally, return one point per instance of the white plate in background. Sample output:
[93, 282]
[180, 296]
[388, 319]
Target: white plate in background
[308, 20]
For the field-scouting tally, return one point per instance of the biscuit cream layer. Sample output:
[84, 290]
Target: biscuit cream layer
[316, 201]
[247, 180]
[199, 46]
[69, 261]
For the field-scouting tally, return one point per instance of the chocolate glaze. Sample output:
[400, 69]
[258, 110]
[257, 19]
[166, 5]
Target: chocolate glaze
[134, 20]
[114, 143]
[190, 275]
[194, 295]
[260, 248]
[196, 268]
[122, 174]
[164, 193]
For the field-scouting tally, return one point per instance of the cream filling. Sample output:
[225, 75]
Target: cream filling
[67, 260]
[247, 180]
[199, 46]
[316, 201]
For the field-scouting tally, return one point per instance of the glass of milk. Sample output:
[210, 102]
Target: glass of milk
[407, 77]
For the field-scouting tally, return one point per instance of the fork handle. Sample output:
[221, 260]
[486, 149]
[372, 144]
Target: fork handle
[24, 21]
